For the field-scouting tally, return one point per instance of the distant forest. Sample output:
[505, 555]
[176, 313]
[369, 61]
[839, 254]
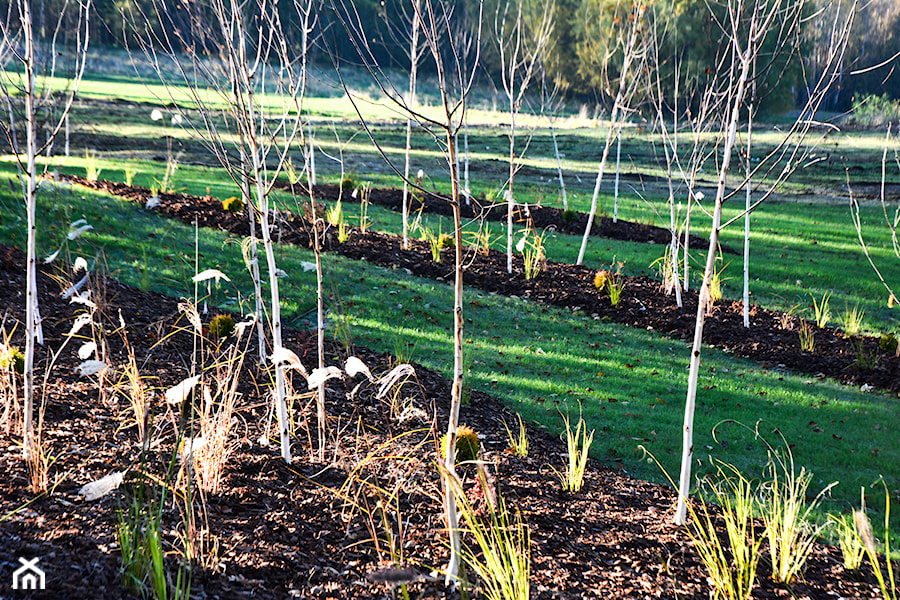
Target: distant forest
[585, 44]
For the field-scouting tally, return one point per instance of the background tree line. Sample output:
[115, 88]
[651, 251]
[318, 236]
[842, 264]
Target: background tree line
[585, 45]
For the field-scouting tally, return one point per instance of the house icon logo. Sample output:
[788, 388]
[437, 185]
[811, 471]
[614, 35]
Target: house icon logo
[28, 576]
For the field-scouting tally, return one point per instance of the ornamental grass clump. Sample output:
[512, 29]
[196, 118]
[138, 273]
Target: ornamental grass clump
[731, 569]
[821, 310]
[613, 281]
[886, 580]
[578, 444]
[849, 541]
[500, 549]
[786, 514]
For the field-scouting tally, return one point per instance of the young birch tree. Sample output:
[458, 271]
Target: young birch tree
[454, 84]
[746, 27]
[230, 48]
[415, 56]
[633, 52]
[520, 38]
[25, 101]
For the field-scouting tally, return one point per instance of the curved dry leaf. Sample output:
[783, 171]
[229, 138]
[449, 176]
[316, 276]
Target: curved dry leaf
[180, 391]
[243, 325]
[80, 264]
[80, 321]
[91, 367]
[86, 350]
[152, 202]
[190, 311]
[307, 266]
[282, 355]
[354, 366]
[321, 375]
[84, 298]
[77, 233]
[396, 374]
[52, 257]
[101, 487]
[71, 290]
[210, 274]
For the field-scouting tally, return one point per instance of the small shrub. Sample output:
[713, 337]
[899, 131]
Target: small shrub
[234, 204]
[874, 111]
[348, 184]
[221, 326]
[569, 215]
[888, 342]
[467, 444]
[10, 356]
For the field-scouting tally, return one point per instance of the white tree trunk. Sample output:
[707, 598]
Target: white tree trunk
[411, 101]
[562, 182]
[737, 98]
[603, 158]
[510, 201]
[467, 191]
[616, 186]
[456, 390]
[31, 298]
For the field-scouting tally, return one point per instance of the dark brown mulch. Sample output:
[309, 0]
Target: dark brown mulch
[538, 217]
[773, 338]
[285, 531]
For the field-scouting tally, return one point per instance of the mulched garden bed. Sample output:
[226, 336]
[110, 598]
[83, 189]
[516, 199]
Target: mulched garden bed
[285, 531]
[538, 217]
[773, 338]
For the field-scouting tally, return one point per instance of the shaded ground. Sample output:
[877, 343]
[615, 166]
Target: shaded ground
[286, 531]
[773, 338]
